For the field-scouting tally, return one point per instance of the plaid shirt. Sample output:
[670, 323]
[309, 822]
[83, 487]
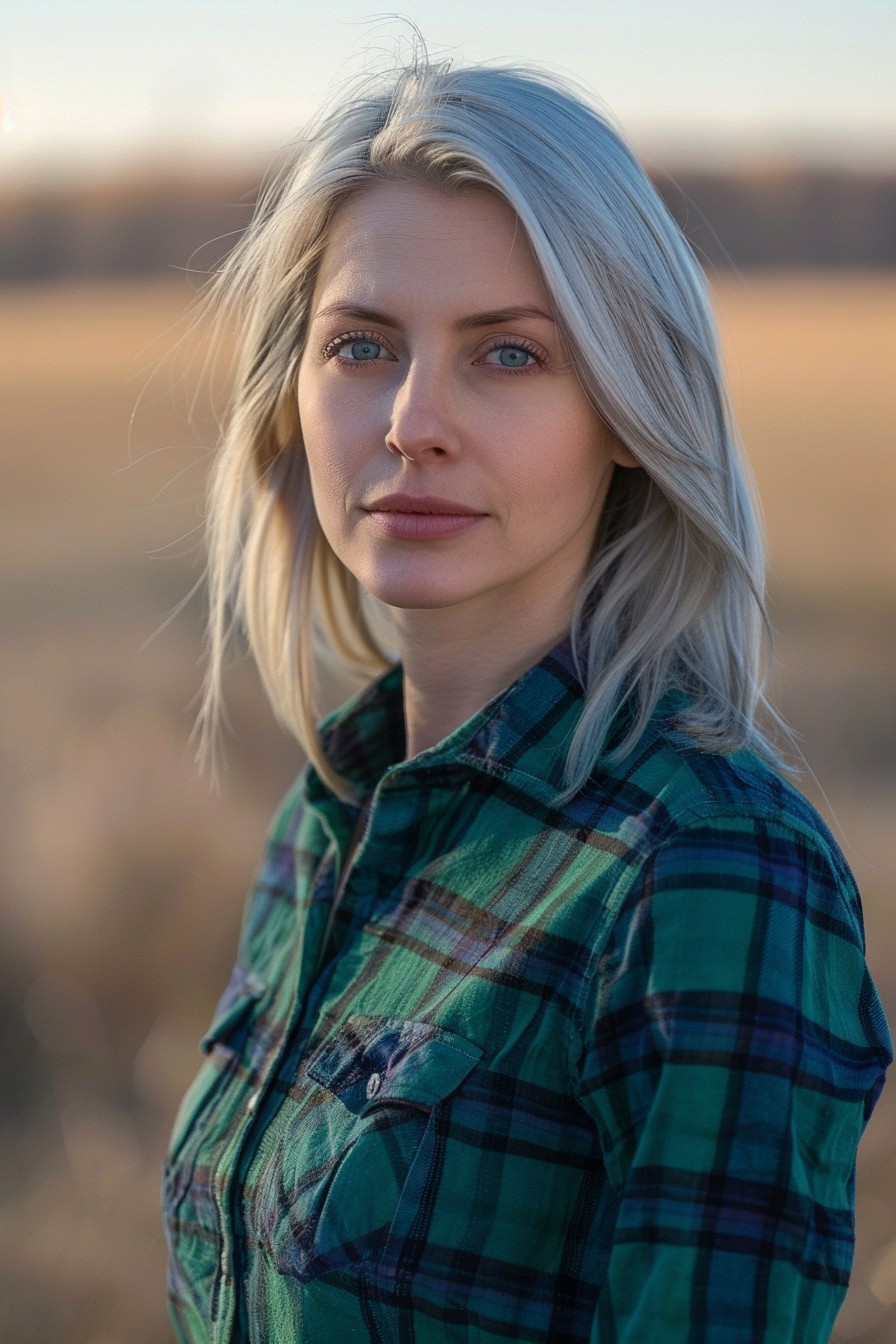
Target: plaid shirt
[587, 1075]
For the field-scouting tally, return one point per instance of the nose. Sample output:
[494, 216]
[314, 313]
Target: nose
[422, 424]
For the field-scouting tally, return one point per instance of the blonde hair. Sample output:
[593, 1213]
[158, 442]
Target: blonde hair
[674, 595]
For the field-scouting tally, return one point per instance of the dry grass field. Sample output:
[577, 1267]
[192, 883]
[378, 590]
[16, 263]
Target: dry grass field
[123, 875]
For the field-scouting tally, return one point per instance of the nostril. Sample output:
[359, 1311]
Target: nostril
[413, 451]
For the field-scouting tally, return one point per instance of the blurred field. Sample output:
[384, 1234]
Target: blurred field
[123, 875]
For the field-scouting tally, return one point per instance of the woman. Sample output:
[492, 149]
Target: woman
[550, 1019]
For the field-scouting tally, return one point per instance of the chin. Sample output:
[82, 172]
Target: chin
[420, 582]
[416, 592]
[415, 598]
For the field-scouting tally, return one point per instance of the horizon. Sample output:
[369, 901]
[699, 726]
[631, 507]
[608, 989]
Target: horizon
[136, 174]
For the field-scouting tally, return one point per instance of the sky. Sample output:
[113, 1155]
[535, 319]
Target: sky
[97, 87]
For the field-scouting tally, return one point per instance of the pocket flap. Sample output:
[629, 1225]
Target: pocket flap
[372, 1060]
[242, 993]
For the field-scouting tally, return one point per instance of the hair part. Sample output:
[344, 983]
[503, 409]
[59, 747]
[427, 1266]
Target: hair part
[674, 596]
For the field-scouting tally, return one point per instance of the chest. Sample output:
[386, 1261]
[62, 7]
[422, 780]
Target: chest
[398, 1086]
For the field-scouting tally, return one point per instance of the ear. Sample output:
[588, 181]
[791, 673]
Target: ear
[621, 455]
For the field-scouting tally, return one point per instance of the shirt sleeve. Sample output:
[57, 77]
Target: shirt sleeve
[733, 1047]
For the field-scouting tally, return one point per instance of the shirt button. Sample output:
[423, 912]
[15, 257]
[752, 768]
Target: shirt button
[253, 1102]
[373, 1084]
[224, 1262]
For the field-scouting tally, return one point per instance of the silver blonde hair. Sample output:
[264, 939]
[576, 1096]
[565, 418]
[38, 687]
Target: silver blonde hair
[674, 595]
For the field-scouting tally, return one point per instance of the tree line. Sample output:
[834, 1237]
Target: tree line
[153, 224]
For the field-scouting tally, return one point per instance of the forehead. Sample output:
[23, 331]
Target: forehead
[404, 235]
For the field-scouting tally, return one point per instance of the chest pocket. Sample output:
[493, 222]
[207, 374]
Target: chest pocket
[229, 1059]
[353, 1179]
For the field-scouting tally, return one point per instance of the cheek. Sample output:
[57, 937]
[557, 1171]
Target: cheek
[327, 446]
[565, 464]
[331, 477]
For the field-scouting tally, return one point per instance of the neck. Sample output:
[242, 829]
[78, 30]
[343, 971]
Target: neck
[453, 665]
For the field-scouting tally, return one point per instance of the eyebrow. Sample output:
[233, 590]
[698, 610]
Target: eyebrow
[495, 318]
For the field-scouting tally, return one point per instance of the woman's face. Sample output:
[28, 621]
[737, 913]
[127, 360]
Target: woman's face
[454, 456]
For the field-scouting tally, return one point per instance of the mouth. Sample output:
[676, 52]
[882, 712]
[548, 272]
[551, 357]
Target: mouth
[422, 517]
[425, 505]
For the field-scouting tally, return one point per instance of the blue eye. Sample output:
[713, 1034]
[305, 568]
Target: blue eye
[365, 349]
[362, 347]
[513, 356]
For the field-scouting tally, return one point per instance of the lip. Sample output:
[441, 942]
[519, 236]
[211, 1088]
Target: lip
[421, 504]
[422, 517]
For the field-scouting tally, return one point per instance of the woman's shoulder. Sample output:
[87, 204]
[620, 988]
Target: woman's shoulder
[738, 888]
[684, 785]
[680, 808]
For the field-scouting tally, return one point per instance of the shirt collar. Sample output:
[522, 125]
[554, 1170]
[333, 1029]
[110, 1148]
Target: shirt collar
[521, 736]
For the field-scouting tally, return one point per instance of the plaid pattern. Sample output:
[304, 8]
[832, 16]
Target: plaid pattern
[584, 1076]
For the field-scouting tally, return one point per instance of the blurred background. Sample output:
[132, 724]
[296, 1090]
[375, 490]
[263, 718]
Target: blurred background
[133, 142]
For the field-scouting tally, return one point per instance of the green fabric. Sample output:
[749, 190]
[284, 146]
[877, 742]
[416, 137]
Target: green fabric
[582, 1075]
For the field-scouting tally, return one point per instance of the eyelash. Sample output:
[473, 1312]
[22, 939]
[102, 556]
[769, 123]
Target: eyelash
[333, 346]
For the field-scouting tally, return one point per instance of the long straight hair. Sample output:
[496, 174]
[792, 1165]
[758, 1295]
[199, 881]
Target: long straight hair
[674, 595]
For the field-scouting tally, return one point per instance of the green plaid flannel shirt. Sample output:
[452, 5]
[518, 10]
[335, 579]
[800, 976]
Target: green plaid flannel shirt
[582, 1075]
